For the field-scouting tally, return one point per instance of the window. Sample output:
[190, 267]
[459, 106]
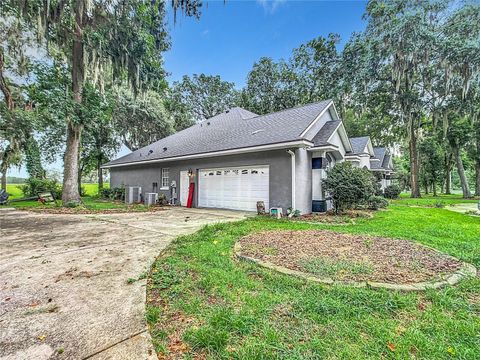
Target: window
[165, 178]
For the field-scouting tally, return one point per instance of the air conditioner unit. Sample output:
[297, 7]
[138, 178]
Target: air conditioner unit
[151, 199]
[133, 194]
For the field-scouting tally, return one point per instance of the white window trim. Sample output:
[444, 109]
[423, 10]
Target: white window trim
[162, 186]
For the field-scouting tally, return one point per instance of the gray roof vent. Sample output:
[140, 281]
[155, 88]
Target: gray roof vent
[150, 151]
[165, 148]
[208, 123]
[227, 111]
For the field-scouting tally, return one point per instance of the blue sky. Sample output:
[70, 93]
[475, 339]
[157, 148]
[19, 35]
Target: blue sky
[229, 37]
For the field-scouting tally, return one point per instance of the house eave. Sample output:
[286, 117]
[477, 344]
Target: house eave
[267, 147]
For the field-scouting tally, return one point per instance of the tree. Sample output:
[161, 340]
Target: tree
[459, 134]
[100, 142]
[404, 33]
[204, 95]
[16, 137]
[127, 36]
[270, 87]
[315, 65]
[140, 121]
[364, 99]
[431, 156]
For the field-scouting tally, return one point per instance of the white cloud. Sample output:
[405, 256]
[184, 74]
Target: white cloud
[205, 32]
[270, 6]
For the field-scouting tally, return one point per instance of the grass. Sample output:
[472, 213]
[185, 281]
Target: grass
[324, 267]
[91, 201]
[216, 307]
[433, 201]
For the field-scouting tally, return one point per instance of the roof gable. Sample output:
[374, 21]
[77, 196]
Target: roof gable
[362, 145]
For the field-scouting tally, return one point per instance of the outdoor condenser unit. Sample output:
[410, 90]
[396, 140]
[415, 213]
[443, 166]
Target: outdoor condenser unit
[133, 194]
[151, 199]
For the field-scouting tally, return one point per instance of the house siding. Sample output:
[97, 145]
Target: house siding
[279, 162]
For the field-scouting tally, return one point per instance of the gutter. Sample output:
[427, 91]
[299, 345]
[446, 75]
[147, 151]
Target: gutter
[296, 143]
[292, 154]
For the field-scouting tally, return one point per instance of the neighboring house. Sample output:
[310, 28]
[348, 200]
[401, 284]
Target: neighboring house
[238, 158]
[382, 165]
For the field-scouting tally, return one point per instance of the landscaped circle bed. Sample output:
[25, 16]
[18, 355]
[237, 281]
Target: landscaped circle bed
[360, 260]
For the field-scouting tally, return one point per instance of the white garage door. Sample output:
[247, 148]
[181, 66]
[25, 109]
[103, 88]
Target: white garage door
[237, 188]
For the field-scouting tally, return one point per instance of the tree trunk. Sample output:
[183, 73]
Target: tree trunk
[74, 131]
[100, 175]
[70, 167]
[434, 187]
[477, 164]
[477, 177]
[4, 180]
[461, 173]
[7, 94]
[448, 174]
[414, 163]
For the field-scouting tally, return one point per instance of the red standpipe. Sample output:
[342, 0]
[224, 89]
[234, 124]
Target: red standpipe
[191, 189]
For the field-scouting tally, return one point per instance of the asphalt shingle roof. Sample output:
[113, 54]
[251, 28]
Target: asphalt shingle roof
[235, 129]
[359, 143]
[325, 132]
[380, 159]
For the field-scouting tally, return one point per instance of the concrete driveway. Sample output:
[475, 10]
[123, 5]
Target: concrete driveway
[64, 280]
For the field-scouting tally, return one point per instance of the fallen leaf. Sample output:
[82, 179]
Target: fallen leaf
[42, 337]
[451, 351]
[391, 346]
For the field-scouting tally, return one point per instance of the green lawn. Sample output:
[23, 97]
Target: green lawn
[205, 303]
[431, 201]
[14, 191]
[91, 201]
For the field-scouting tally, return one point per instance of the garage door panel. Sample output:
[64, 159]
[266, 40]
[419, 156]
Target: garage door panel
[234, 188]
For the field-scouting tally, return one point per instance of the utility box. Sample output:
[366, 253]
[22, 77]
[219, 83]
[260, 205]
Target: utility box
[133, 194]
[151, 199]
[319, 205]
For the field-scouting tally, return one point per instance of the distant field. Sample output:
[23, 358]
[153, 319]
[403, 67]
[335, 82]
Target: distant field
[15, 190]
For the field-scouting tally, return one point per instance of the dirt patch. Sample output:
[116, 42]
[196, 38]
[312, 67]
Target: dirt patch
[84, 211]
[347, 257]
[331, 218]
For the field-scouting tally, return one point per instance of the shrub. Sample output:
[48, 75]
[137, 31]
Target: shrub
[105, 193]
[377, 202]
[117, 193]
[34, 186]
[349, 186]
[392, 191]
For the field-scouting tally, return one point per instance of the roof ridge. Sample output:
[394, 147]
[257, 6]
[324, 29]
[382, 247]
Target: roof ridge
[292, 108]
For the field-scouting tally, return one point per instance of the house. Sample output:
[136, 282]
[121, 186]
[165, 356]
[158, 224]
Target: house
[237, 158]
[382, 166]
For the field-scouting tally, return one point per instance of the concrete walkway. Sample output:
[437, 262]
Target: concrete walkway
[463, 208]
[64, 289]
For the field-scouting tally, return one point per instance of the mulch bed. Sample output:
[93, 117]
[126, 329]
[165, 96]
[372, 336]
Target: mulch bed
[348, 257]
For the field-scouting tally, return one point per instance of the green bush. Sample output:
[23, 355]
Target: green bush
[117, 193]
[349, 186]
[377, 202]
[392, 191]
[34, 186]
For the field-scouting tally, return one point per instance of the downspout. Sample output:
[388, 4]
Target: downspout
[292, 154]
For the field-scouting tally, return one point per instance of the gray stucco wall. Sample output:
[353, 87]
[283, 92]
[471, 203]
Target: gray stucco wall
[278, 160]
